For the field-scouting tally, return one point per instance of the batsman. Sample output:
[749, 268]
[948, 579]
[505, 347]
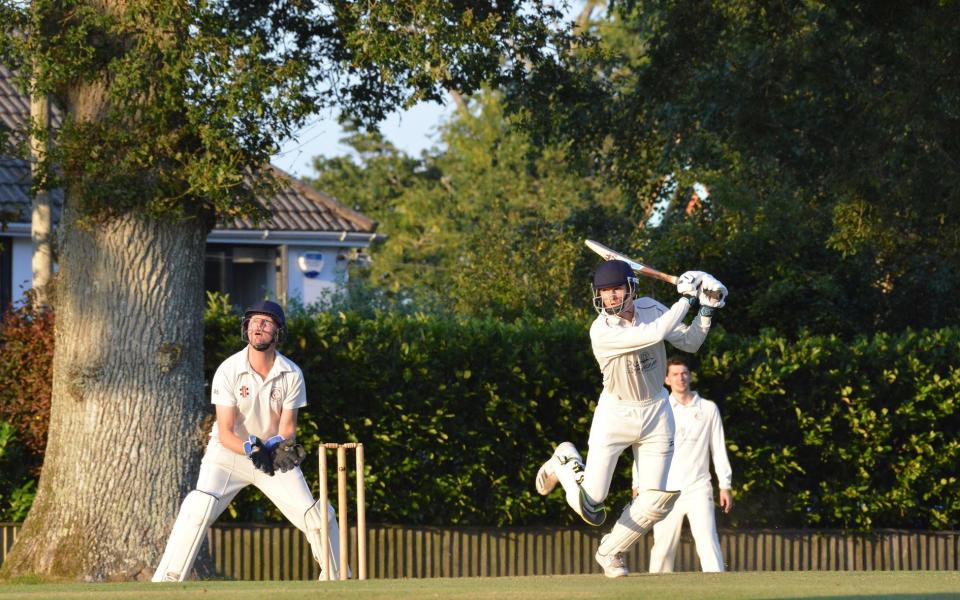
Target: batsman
[257, 393]
[633, 411]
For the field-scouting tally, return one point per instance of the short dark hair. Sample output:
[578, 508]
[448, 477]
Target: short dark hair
[676, 359]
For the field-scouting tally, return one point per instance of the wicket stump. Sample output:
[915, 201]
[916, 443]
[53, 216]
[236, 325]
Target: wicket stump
[342, 510]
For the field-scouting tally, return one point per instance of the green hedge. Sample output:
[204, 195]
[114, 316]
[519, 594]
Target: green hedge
[457, 416]
[852, 433]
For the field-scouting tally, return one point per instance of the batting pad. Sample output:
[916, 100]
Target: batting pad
[647, 509]
[195, 516]
[569, 472]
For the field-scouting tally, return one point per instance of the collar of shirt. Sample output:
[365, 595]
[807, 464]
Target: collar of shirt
[695, 403]
[280, 366]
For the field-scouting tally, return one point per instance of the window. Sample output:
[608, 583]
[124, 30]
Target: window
[246, 273]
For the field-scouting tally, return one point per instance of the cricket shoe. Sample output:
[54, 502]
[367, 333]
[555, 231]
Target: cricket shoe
[547, 475]
[612, 564]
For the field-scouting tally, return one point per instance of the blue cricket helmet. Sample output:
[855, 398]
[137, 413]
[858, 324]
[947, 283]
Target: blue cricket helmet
[610, 274]
[272, 310]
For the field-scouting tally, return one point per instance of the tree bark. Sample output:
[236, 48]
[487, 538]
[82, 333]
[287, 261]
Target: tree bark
[128, 410]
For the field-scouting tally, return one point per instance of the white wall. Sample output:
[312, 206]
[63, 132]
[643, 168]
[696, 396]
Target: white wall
[22, 277]
[333, 273]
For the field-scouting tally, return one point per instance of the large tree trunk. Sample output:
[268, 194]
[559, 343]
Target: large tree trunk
[128, 406]
[128, 410]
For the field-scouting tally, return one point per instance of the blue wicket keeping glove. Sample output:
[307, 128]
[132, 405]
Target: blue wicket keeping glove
[259, 452]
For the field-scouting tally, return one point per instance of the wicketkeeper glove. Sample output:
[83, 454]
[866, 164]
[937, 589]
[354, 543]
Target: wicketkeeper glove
[287, 455]
[259, 452]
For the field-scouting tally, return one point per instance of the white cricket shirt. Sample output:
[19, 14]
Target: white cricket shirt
[259, 401]
[632, 356]
[699, 436]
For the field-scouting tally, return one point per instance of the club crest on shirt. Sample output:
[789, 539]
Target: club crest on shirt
[244, 391]
[276, 393]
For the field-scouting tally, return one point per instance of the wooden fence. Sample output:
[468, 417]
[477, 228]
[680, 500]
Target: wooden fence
[280, 552]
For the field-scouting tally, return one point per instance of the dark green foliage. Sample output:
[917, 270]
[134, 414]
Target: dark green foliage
[17, 483]
[457, 415]
[823, 131]
[827, 432]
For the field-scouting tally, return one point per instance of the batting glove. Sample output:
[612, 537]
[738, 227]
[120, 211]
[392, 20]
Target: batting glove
[712, 292]
[688, 283]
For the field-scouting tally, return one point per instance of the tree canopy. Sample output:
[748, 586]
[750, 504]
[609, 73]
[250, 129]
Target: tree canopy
[826, 135]
[487, 225]
[823, 136]
[194, 94]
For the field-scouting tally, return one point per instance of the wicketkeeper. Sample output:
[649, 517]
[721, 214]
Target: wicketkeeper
[257, 393]
[627, 338]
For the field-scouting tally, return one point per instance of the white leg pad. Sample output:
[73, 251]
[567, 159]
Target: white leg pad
[647, 509]
[315, 537]
[196, 514]
[567, 465]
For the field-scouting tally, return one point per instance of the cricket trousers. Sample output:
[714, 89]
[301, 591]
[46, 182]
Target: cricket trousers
[647, 427]
[698, 507]
[224, 473]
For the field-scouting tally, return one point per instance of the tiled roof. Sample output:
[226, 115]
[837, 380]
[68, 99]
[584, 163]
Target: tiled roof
[300, 207]
[15, 201]
[297, 207]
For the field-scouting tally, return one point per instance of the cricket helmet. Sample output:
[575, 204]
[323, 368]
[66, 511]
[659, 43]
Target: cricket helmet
[611, 274]
[272, 310]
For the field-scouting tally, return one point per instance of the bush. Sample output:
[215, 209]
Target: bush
[833, 433]
[26, 362]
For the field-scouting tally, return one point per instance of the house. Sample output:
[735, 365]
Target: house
[299, 254]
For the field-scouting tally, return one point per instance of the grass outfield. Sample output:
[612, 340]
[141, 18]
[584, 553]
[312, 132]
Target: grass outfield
[877, 584]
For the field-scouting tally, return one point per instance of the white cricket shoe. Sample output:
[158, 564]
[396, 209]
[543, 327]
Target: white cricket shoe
[613, 565]
[547, 475]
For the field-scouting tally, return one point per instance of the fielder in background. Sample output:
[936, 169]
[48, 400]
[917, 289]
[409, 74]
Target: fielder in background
[257, 393]
[699, 436]
[628, 342]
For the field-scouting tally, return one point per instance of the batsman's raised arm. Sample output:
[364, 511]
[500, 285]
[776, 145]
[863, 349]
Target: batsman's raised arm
[611, 341]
